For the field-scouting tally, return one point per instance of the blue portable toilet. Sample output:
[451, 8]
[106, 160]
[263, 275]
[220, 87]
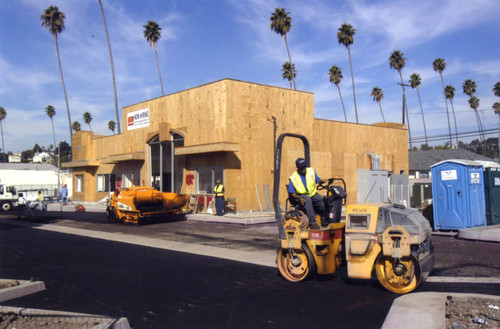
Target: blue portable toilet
[458, 194]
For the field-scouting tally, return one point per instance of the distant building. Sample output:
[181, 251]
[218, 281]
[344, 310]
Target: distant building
[421, 161]
[15, 158]
[42, 157]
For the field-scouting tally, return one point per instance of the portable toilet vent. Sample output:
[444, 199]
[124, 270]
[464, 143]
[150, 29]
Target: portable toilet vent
[458, 194]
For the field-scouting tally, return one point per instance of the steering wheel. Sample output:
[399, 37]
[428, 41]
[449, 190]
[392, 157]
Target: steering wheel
[325, 186]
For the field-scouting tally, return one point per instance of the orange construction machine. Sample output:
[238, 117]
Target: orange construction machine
[133, 204]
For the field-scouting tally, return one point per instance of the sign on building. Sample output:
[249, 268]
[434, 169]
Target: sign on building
[138, 119]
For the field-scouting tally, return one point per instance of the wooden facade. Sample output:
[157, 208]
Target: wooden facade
[226, 128]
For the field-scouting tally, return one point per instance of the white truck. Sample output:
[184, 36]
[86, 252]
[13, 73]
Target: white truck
[8, 197]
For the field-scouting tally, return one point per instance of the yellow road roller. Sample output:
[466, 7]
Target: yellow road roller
[390, 240]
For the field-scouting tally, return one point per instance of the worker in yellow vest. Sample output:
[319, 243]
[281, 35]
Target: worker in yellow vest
[219, 198]
[303, 192]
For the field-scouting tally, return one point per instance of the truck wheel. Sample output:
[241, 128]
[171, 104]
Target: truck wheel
[298, 266]
[400, 276]
[6, 205]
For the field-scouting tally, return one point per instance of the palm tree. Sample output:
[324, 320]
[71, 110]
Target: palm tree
[496, 108]
[281, 23]
[111, 126]
[53, 19]
[336, 76]
[3, 115]
[112, 66]
[152, 33]
[397, 61]
[439, 65]
[469, 88]
[345, 36]
[474, 104]
[76, 126]
[449, 93]
[51, 111]
[378, 94]
[287, 72]
[87, 118]
[415, 82]
[496, 89]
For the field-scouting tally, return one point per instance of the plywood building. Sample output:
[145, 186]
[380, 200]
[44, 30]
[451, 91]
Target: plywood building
[184, 141]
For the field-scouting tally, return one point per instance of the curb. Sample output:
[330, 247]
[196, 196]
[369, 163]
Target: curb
[23, 288]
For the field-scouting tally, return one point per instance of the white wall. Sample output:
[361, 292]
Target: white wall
[27, 177]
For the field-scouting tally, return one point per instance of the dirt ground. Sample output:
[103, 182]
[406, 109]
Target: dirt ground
[12, 320]
[470, 312]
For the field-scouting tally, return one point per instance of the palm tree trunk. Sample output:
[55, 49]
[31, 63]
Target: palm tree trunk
[291, 64]
[405, 109]
[423, 120]
[382, 112]
[479, 125]
[455, 119]
[64, 89]
[342, 100]
[112, 67]
[3, 146]
[353, 89]
[447, 112]
[53, 132]
[159, 74]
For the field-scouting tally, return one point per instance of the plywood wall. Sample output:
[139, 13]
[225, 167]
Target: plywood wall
[241, 112]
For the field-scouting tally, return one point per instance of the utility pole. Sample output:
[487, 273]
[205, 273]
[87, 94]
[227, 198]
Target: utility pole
[405, 111]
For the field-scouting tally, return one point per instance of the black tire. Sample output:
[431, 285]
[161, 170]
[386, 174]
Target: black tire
[6, 205]
[111, 215]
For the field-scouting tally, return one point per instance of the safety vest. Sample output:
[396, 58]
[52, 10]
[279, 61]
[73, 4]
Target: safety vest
[219, 190]
[310, 182]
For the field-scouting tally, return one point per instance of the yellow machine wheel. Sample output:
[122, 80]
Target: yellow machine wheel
[400, 277]
[297, 266]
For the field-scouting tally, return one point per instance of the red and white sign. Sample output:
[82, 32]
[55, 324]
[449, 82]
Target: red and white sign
[138, 119]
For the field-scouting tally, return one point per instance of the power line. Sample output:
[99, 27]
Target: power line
[475, 133]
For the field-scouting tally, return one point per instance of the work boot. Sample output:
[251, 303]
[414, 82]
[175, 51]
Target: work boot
[314, 226]
[325, 224]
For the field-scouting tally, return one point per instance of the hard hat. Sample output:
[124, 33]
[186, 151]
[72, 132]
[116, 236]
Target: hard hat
[300, 163]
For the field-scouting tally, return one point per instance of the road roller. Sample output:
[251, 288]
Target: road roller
[138, 203]
[389, 241]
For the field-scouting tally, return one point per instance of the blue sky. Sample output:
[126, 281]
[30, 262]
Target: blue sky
[207, 40]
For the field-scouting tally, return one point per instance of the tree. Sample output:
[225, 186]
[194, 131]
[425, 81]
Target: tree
[152, 33]
[111, 126]
[112, 66]
[87, 118]
[397, 61]
[3, 115]
[65, 150]
[449, 93]
[345, 36]
[415, 82]
[53, 19]
[496, 89]
[281, 23]
[336, 76]
[378, 94]
[76, 126]
[496, 108]
[37, 148]
[469, 88]
[51, 111]
[439, 66]
[289, 72]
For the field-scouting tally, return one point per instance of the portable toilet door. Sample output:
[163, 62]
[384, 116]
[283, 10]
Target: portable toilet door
[458, 194]
[491, 172]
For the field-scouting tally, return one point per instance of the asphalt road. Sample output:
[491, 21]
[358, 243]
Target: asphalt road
[157, 288]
